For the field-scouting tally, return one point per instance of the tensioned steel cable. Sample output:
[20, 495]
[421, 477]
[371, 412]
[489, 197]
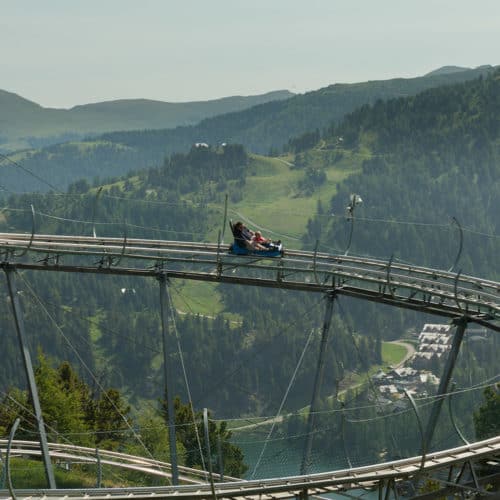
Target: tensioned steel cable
[429, 400]
[28, 171]
[285, 236]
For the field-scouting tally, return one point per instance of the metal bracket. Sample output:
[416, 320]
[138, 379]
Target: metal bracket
[25, 251]
[281, 272]
[94, 210]
[209, 453]
[420, 428]
[99, 468]
[455, 291]
[452, 418]
[460, 246]
[388, 276]
[351, 217]
[355, 200]
[224, 220]
[218, 259]
[7, 458]
[124, 247]
[314, 262]
[343, 435]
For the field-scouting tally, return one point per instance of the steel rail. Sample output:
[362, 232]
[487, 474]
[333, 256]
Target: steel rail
[171, 247]
[445, 291]
[24, 447]
[422, 288]
[412, 287]
[9, 240]
[436, 300]
[288, 487]
[317, 259]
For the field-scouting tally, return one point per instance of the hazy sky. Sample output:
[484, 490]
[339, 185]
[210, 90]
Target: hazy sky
[60, 53]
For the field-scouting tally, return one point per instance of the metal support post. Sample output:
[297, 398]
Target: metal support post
[342, 432]
[420, 428]
[445, 379]
[7, 460]
[220, 458]
[164, 300]
[99, 468]
[306, 457]
[209, 452]
[2, 476]
[28, 366]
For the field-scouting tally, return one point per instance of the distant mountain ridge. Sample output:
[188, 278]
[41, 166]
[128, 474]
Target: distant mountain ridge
[25, 124]
[446, 70]
[269, 126]
[263, 128]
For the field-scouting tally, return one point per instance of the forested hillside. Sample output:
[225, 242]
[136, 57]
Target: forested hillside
[425, 159]
[430, 174]
[262, 129]
[25, 124]
[153, 204]
[415, 161]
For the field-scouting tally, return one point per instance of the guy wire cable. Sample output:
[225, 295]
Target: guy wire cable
[28, 171]
[359, 219]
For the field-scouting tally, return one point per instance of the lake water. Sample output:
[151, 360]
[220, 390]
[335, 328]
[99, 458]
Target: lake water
[281, 459]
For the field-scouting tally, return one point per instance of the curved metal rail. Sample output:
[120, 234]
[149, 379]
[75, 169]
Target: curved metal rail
[412, 287]
[85, 455]
[371, 476]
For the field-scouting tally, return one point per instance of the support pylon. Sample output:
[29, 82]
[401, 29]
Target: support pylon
[164, 300]
[306, 457]
[30, 375]
[445, 379]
